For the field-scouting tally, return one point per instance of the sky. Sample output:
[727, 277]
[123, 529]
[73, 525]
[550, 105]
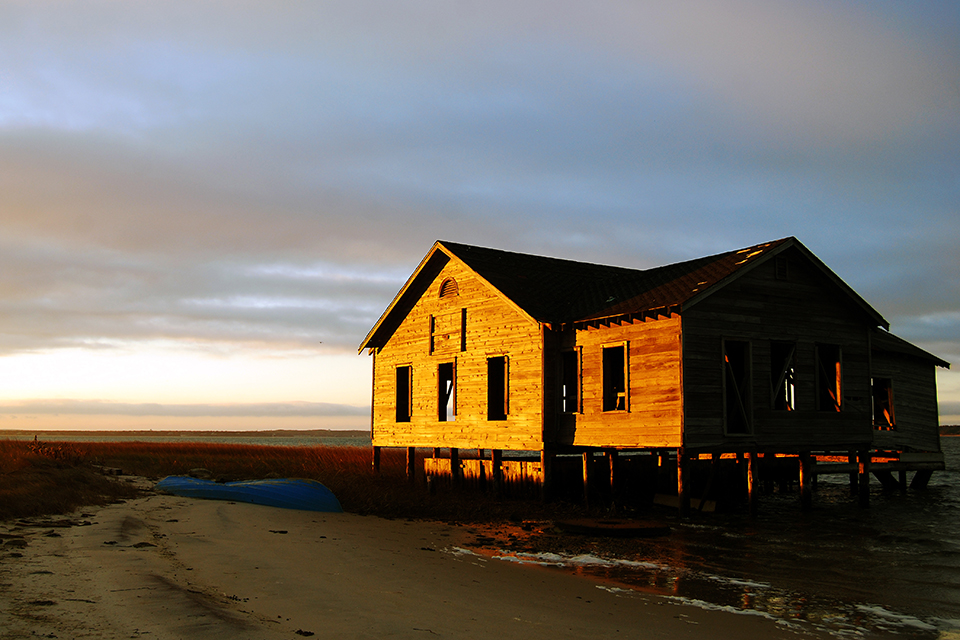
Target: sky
[205, 205]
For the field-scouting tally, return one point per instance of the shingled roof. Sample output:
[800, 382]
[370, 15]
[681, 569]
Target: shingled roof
[555, 291]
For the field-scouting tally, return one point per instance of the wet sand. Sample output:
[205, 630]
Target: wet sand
[164, 567]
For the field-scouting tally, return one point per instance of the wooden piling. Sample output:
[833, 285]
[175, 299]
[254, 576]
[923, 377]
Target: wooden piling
[496, 457]
[714, 470]
[455, 475]
[483, 473]
[411, 464]
[920, 479]
[683, 489]
[854, 476]
[546, 475]
[587, 455]
[886, 479]
[863, 480]
[612, 459]
[806, 480]
[752, 488]
[375, 460]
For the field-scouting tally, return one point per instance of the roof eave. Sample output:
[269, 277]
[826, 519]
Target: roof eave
[913, 350]
[369, 340]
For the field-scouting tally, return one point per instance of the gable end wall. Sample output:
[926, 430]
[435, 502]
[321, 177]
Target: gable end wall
[760, 308]
[494, 328]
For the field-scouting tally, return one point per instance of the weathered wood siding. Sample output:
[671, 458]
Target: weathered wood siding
[653, 417]
[914, 403]
[758, 308]
[493, 328]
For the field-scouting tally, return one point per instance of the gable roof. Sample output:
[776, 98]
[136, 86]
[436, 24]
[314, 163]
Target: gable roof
[682, 285]
[557, 291]
[886, 341]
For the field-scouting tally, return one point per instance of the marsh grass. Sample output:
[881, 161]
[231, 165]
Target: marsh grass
[36, 477]
[42, 479]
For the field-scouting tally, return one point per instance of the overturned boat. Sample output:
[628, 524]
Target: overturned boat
[286, 493]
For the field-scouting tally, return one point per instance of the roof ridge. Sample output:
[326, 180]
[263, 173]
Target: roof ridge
[534, 256]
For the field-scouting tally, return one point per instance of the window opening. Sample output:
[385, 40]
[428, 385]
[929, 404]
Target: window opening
[404, 393]
[783, 372]
[883, 417]
[829, 378]
[447, 392]
[615, 378]
[497, 389]
[570, 381]
[737, 405]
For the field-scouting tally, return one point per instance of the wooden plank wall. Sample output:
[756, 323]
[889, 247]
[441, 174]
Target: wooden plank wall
[914, 403]
[654, 414]
[760, 308]
[494, 328]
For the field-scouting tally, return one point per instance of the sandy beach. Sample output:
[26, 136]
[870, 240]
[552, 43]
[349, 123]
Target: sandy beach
[165, 567]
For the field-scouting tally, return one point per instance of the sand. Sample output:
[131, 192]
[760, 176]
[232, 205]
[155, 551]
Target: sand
[164, 567]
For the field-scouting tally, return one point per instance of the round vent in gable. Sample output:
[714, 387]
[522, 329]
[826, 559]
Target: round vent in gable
[449, 288]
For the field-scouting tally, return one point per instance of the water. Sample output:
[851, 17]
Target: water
[891, 569]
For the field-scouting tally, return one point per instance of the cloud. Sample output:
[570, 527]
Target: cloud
[255, 176]
[54, 296]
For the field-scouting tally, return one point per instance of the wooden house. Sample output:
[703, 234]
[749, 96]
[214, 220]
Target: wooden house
[759, 351]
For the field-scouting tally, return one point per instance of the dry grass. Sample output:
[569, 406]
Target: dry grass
[33, 477]
[42, 479]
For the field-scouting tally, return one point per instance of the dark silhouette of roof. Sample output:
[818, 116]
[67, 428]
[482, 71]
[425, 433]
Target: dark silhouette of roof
[561, 291]
[886, 341]
[557, 292]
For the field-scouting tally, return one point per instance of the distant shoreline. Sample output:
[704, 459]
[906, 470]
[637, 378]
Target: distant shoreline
[266, 433]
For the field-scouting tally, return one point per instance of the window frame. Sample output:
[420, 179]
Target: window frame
[823, 390]
[744, 400]
[498, 391]
[447, 399]
[576, 355]
[890, 424]
[624, 378]
[404, 412]
[784, 387]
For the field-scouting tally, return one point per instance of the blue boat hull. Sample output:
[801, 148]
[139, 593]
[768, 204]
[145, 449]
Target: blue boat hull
[286, 493]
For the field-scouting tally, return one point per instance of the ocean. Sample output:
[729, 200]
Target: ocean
[892, 569]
